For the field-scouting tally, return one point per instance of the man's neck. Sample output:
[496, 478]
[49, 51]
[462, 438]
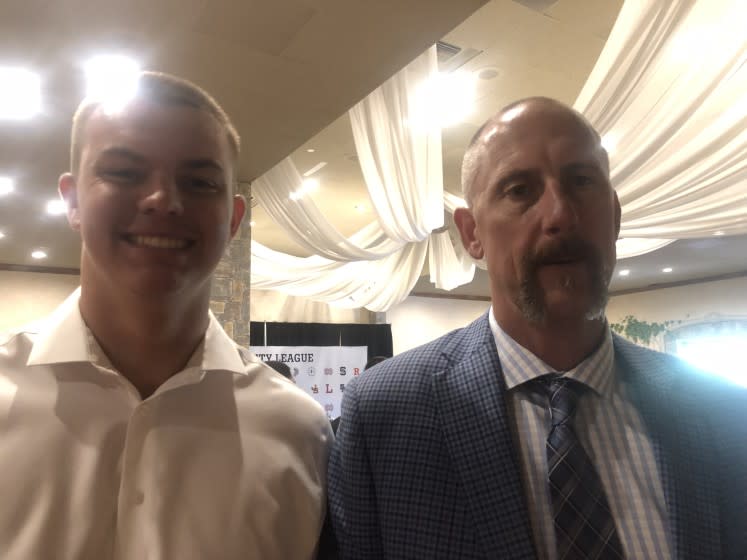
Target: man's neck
[146, 339]
[560, 344]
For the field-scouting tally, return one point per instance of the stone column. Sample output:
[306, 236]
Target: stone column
[229, 300]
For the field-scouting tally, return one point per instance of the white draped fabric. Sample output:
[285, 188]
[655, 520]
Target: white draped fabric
[307, 226]
[670, 92]
[669, 96]
[401, 163]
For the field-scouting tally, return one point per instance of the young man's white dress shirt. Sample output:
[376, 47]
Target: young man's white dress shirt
[227, 459]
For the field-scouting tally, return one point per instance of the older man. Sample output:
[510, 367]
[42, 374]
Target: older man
[534, 432]
[132, 426]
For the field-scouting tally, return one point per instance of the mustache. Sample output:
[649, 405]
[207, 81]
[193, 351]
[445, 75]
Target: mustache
[562, 250]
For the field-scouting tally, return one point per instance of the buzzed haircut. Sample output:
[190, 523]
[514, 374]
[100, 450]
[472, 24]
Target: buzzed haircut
[164, 89]
[473, 153]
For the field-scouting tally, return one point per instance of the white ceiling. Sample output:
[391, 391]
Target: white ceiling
[287, 71]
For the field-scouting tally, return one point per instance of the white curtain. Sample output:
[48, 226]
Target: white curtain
[401, 162]
[307, 226]
[378, 266]
[669, 91]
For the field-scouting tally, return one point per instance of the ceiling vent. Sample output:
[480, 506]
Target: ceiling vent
[450, 57]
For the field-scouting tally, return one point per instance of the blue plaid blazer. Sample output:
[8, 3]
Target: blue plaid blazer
[425, 467]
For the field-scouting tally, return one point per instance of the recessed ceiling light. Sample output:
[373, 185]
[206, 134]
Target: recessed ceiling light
[310, 184]
[56, 207]
[20, 93]
[252, 223]
[443, 100]
[718, 232]
[667, 269]
[6, 185]
[111, 80]
[310, 150]
[2, 235]
[38, 254]
[624, 272]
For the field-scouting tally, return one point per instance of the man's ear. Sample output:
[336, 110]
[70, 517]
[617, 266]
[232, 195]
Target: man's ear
[68, 189]
[465, 222]
[239, 208]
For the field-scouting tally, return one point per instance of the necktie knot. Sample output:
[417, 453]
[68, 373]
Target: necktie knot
[563, 394]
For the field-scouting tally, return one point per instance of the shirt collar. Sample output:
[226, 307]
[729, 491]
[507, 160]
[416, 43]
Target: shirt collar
[519, 365]
[64, 337]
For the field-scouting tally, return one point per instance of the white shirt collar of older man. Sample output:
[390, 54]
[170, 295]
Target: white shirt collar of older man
[64, 337]
[520, 365]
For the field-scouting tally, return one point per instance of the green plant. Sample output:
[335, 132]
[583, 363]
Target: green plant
[640, 331]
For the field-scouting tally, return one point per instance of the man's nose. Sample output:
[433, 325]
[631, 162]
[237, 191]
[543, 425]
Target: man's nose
[559, 212]
[162, 196]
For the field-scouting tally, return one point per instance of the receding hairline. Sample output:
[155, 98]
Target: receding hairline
[475, 149]
[160, 88]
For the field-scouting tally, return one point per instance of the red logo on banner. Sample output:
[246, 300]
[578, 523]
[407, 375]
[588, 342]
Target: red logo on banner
[328, 371]
[356, 371]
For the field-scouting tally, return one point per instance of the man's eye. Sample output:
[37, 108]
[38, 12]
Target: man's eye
[519, 190]
[582, 181]
[200, 184]
[122, 175]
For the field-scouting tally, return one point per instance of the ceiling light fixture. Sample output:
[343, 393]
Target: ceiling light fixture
[667, 269]
[112, 80]
[719, 232]
[487, 73]
[56, 207]
[252, 223]
[6, 186]
[310, 185]
[443, 100]
[316, 168]
[2, 235]
[38, 254]
[20, 93]
[310, 150]
[624, 272]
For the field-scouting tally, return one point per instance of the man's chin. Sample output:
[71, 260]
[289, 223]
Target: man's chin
[563, 307]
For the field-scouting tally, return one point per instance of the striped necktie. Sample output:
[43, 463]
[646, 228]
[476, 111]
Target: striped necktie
[584, 528]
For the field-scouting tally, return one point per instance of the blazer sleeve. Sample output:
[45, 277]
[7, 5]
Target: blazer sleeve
[352, 498]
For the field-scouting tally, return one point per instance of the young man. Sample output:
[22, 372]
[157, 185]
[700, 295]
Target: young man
[534, 432]
[132, 426]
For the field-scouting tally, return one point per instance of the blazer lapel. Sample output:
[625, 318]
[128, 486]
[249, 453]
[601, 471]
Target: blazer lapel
[681, 443]
[477, 427]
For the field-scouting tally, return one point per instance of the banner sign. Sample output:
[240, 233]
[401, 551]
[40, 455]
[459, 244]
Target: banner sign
[321, 371]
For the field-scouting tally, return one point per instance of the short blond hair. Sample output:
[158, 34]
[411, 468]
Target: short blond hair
[160, 88]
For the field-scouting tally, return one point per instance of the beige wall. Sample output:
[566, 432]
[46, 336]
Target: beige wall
[683, 303]
[28, 296]
[418, 320]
